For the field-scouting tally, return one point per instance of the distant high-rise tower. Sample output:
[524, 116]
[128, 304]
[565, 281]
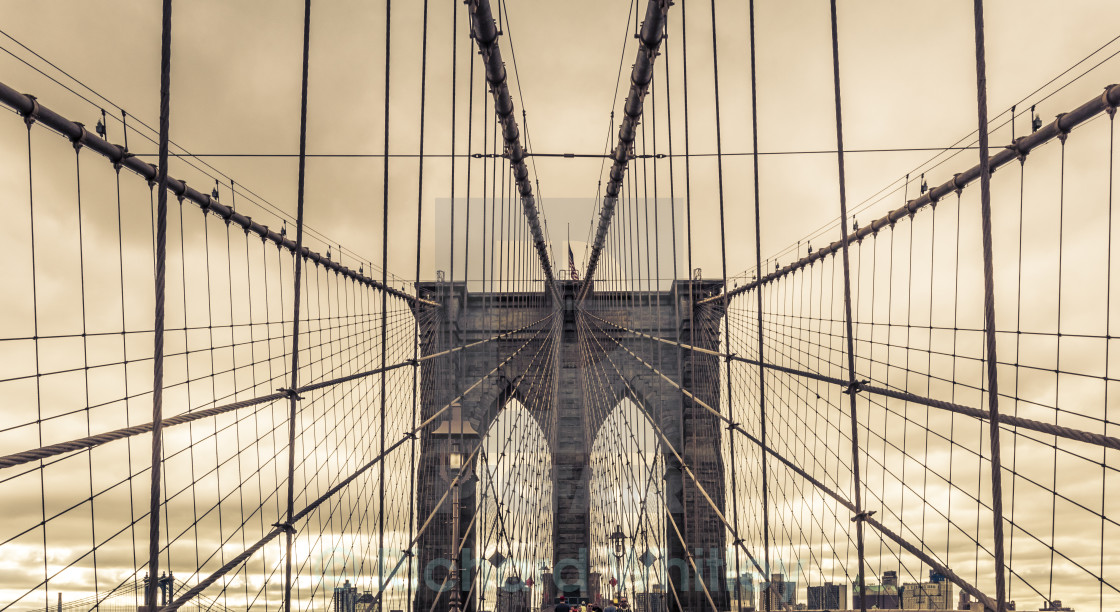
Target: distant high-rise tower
[782, 595]
[345, 598]
[890, 578]
[828, 597]
[745, 593]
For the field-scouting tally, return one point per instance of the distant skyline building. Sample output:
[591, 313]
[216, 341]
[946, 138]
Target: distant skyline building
[890, 578]
[781, 596]
[548, 590]
[594, 586]
[828, 597]
[937, 594]
[366, 603]
[345, 598]
[745, 593]
[882, 596]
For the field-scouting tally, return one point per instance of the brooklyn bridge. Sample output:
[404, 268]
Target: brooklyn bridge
[339, 306]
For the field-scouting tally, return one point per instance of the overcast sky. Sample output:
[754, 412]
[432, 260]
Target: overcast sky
[907, 69]
[908, 82]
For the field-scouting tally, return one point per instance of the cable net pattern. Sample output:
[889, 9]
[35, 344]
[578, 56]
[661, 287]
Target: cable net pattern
[691, 435]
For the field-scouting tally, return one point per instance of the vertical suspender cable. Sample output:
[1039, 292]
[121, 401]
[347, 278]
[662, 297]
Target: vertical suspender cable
[649, 39]
[470, 141]
[676, 276]
[384, 319]
[419, 235]
[160, 288]
[485, 33]
[292, 397]
[689, 528]
[726, 301]
[758, 306]
[852, 383]
[989, 303]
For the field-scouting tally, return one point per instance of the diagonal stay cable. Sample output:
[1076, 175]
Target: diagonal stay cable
[552, 346]
[644, 520]
[187, 417]
[1012, 421]
[241, 558]
[680, 459]
[914, 550]
[470, 459]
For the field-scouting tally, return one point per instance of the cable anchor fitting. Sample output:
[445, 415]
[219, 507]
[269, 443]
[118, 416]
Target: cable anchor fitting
[1109, 107]
[31, 115]
[77, 141]
[179, 196]
[855, 387]
[1020, 154]
[863, 516]
[290, 393]
[1062, 132]
[285, 527]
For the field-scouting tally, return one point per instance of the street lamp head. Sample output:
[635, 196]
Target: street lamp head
[455, 426]
[459, 434]
[618, 538]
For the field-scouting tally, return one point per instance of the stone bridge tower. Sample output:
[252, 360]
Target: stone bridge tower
[556, 402]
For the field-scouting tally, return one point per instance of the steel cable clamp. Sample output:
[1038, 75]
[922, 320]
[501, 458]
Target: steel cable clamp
[862, 516]
[290, 393]
[285, 527]
[855, 387]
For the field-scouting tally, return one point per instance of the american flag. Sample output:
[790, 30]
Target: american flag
[572, 264]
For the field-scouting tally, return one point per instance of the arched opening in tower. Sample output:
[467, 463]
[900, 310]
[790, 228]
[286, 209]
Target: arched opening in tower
[627, 560]
[513, 532]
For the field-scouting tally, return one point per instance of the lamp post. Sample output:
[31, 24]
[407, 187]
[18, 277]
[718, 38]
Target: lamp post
[459, 435]
[454, 466]
[619, 540]
[544, 586]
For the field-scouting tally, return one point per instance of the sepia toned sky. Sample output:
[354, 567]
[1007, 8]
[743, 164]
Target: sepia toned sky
[907, 70]
[908, 83]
